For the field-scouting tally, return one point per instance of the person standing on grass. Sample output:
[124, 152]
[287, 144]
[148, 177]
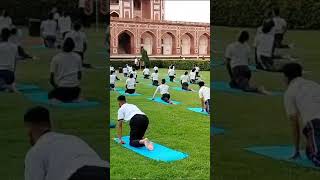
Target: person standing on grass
[193, 77]
[302, 105]
[55, 155]
[131, 84]
[138, 122]
[146, 73]
[155, 78]
[204, 94]
[280, 29]
[155, 68]
[237, 61]
[48, 30]
[8, 55]
[5, 20]
[164, 91]
[171, 73]
[113, 79]
[136, 62]
[66, 74]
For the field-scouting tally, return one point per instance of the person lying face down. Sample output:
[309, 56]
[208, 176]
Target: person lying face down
[55, 155]
[302, 103]
[138, 122]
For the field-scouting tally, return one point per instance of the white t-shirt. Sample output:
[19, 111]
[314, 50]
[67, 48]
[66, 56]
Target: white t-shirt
[204, 93]
[17, 38]
[79, 39]
[264, 44]
[56, 16]
[155, 68]
[146, 71]
[238, 53]
[136, 61]
[64, 24]
[130, 69]
[8, 54]
[303, 97]
[5, 22]
[131, 82]
[65, 67]
[113, 79]
[192, 75]
[155, 76]
[127, 111]
[197, 69]
[184, 78]
[163, 89]
[49, 28]
[280, 25]
[125, 70]
[134, 74]
[57, 156]
[82, 3]
[171, 72]
[111, 68]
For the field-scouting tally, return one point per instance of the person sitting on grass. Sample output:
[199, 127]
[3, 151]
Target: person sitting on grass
[193, 77]
[131, 84]
[164, 91]
[204, 94]
[125, 71]
[15, 38]
[280, 29]
[8, 55]
[302, 103]
[80, 40]
[138, 122]
[237, 61]
[55, 155]
[155, 68]
[184, 80]
[197, 70]
[146, 73]
[171, 73]
[66, 74]
[155, 78]
[49, 32]
[113, 79]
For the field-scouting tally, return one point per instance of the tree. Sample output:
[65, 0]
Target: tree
[145, 57]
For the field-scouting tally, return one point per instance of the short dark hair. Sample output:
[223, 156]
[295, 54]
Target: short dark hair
[292, 71]
[186, 73]
[50, 16]
[267, 26]
[244, 36]
[37, 115]
[13, 31]
[156, 71]
[276, 11]
[201, 83]
[77, 26]
[5, 34]
[121, 98]
[163, 81]
[68, 45]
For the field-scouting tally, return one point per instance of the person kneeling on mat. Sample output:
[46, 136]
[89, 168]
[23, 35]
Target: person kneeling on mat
[8, 54]
[302, 103]
[131, 85]
[164, 91]
[237, 61]
[171, 73]
[184, 80]
[155, 78]
[58, 156]
[138, 122]
[193, 77]
[113, 79]
[48, 30]
[204, 94]
[66, 74]
[146, 73]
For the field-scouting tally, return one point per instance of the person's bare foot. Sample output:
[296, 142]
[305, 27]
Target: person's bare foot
[54, 101]
[262, 90]
[148, 144]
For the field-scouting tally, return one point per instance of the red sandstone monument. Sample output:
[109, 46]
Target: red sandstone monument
[140, 23]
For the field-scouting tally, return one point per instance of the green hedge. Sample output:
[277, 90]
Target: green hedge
[300, 14]
[179, 64]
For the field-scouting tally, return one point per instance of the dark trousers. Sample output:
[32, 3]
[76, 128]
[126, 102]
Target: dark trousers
[22, 53]
[185, 86]
[312, 134]
[207, 103]
[7, 77]
[278, 38]
[165, 97]
[241, 76]
[130, 91]
[91, 173]
[138, 127]
[155, 82]
[146, 76]
[65, 94]
[171, 78]
[49, 41]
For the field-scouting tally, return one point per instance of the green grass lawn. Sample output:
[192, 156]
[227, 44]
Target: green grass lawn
[170, 125]
[257, 120]
[89, 124]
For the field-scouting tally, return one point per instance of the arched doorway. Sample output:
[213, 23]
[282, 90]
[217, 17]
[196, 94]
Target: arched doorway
[187, 42]
[114, 14]
[168, 44]
[148, 42]
[204, 44]
[125, 43]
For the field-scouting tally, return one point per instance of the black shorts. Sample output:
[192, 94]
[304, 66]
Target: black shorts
[92, 173]
[146, 76]
[165, 97]
[185, 86]
[241, 72]
[7, 76]
[130, 91]
[112, 86]
[65, 94]
[155, 82]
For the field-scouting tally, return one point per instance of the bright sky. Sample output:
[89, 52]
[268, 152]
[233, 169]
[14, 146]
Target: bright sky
[187, 10]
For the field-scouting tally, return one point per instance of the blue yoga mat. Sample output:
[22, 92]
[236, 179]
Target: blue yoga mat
[112, 125]
[180, 89]
[282, 153]
[39, 47]
[123, 92]
[198, 110]
[159, 100]
[168, 80]
[27, 88]
[160, 153]
[41, 97]
[225, 87]
[216, 131]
